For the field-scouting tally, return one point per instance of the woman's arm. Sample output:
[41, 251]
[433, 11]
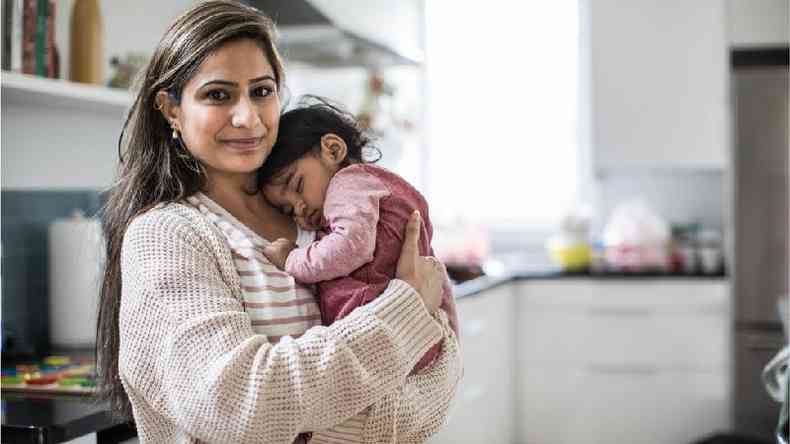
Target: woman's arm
[189, 353]
[415, 411]
[426, 398]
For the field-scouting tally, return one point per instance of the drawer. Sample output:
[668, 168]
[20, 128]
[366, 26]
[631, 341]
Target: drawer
[635, 336]
[620, 404]
[597, 324]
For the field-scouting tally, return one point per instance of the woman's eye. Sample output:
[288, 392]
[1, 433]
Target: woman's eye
[217, 95]
[262, 91]
[300, 186]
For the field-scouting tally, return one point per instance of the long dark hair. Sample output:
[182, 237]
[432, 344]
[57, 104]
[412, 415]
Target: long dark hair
[301, 129]
[153, 167]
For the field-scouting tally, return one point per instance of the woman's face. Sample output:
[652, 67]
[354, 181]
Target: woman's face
[230, 110]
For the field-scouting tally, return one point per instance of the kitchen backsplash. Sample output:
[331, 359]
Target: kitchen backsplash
[677, 196]
[26, 216]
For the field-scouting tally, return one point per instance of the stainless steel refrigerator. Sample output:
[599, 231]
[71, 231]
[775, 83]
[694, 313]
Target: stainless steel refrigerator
[760, 212]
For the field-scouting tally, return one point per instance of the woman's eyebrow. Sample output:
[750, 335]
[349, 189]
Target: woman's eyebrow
[234, 84]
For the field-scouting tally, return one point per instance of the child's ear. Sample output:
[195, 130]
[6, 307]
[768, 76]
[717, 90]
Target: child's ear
[333, 148]
[169, 109]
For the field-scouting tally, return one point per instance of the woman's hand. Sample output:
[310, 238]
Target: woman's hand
[425, 273]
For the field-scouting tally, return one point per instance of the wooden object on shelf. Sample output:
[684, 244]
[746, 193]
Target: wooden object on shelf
[86, 42]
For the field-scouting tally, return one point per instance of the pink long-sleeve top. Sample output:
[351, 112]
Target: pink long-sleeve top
[366, 210]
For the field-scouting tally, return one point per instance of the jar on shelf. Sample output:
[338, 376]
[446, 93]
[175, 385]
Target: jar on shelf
[710, 251]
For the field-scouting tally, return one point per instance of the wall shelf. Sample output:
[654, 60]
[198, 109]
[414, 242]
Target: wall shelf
[31, 91]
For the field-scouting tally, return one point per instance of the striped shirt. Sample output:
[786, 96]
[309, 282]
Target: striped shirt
[278, 306]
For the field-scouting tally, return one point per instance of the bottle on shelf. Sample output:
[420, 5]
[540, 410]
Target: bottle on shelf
[86, 55]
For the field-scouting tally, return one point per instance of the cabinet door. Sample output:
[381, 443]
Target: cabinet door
[642, 361]
[483, 408]
[763, 23]
[658, 79]
[680, 324]
[626, 404]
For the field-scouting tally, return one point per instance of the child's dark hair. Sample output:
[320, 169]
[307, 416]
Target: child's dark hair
[301, 130]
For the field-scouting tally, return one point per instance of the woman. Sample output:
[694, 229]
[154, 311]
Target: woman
[177, 347]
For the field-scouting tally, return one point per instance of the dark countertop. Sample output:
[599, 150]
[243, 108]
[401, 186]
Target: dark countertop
[483, 283]
[33, 418]
[43, 417]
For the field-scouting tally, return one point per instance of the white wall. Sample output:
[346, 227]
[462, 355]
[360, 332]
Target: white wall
[46, 148]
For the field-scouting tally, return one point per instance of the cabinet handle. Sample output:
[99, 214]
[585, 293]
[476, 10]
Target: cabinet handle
[473, 328]
[623, 369]
[619, 311]
[473, 393]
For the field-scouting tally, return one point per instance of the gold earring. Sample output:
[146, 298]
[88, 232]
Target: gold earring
[175, 133]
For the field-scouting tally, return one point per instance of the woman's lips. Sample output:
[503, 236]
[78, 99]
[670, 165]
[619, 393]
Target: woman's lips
[245, 144]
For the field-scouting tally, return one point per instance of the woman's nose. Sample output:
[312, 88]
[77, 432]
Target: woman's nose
[245, 114]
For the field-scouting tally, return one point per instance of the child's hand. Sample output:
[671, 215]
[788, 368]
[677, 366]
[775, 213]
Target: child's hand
[277, 252]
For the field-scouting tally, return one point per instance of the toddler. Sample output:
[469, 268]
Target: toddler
[316, 174]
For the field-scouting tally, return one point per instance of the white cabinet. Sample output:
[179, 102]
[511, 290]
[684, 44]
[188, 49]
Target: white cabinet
[758, 23]
[622, 361]
[658, 83]
[483, 408]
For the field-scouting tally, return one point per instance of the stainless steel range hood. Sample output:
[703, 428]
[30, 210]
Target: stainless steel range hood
[307, 35]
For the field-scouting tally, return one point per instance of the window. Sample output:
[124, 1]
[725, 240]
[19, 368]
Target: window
[502, 87]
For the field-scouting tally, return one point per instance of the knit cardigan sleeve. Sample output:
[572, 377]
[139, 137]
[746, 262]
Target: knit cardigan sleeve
[416, 410]
[189, 357]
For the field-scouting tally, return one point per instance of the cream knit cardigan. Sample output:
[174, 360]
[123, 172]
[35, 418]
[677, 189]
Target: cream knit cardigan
[195, 371]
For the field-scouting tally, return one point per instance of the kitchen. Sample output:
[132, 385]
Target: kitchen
[633, 239]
